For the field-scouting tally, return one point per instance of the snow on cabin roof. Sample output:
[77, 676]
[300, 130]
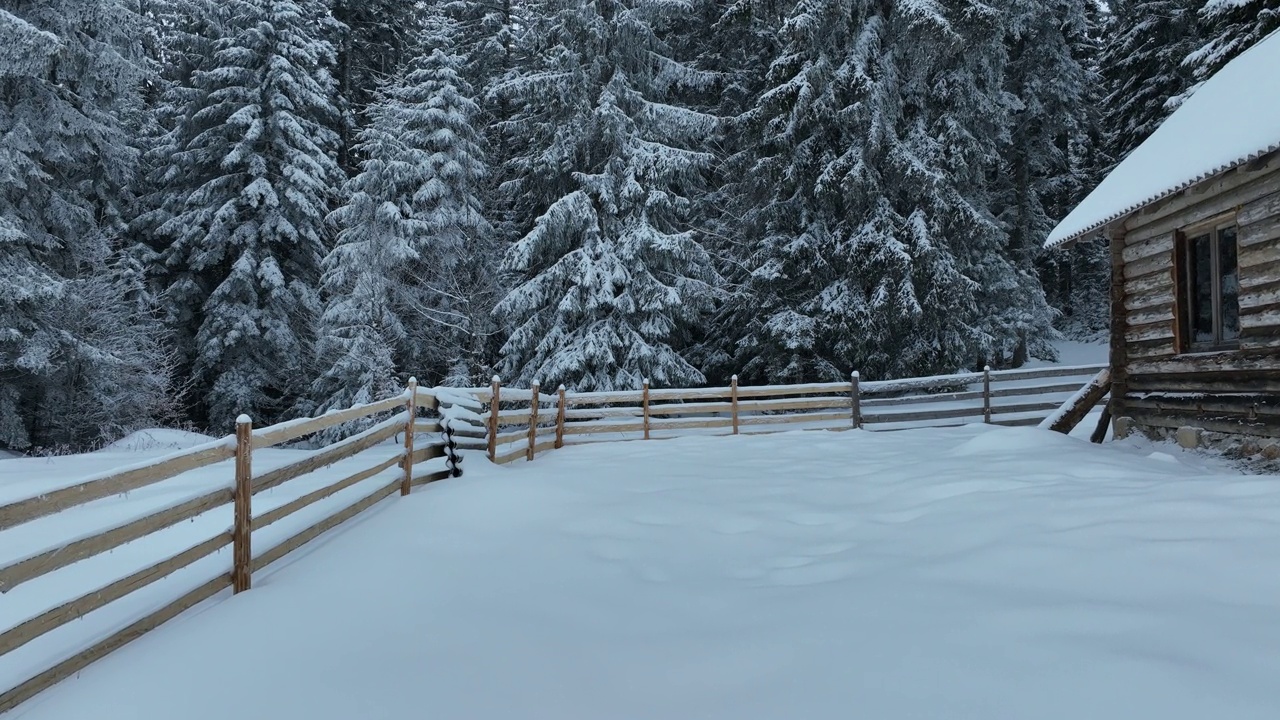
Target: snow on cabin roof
[1233, 118]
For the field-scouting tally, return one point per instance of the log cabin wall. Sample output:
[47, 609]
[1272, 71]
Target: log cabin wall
[1157, 381]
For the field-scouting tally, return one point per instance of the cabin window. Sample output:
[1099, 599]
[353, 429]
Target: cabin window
[1210, 293]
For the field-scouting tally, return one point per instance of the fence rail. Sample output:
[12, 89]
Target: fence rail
[242, 485]
[518, 427]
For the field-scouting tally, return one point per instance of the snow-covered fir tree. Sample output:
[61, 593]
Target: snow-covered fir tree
[1077, 279]
[866, 212]
[250, 173]
[1143, 69]
[612, 272]
[406, 286]
[1230, 28]
[374, 39]
[1040, 181]
[76, 329]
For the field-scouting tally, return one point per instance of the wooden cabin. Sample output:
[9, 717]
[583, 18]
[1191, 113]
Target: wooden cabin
[1193, 219]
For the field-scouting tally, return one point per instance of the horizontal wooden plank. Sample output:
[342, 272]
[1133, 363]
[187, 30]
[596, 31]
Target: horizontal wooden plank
[801, 404]
[922, 416]
[1161, 245]
[1159, 314]
[1161, 297]
[606, 398]
[1086, 371]
[25, 691]
[1208, 362]
[323, 458]
[1158, 281]
[510, 437]
[609, 412]
[1018, 422]
[1172, 420]
[60, 557]
[1024, 408]
[1259, 233]
[1162, 330]
[511, 456]
[542, 447]
[29, 630]
[293, 506]
[1263, 292]
[1205, 382]
[115, 483]
[1244, 405]
[1161, 264]
[843, 417]
[294, 429]
[323, 526]
[964, 396]
[1264, 207]
[430, 477]
[1258, 256]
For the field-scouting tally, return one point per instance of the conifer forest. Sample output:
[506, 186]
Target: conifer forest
[282, 207]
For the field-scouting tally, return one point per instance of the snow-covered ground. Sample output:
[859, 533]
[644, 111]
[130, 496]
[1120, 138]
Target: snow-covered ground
[975, 572]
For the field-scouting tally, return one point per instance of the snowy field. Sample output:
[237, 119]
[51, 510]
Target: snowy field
[973, 572]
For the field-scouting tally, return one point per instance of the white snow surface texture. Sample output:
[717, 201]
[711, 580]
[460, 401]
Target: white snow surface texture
[973, 572]
[1232, 118]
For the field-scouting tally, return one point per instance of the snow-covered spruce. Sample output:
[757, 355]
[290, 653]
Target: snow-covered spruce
[612, 271]
[80, 355]
[252, 171]
[401, 285]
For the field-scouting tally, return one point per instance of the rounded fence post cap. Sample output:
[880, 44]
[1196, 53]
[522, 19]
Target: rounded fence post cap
[645, 381]
[243, 419]
[561, 388]
[734, 378]
[497, 379]
[855, 374]
[413, 381]
[986, 368]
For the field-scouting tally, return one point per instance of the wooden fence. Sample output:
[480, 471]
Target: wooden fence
[402, 416]
[522, 423]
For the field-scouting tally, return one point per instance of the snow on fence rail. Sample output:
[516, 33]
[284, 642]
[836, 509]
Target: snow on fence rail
[518, 427]
[456, 409]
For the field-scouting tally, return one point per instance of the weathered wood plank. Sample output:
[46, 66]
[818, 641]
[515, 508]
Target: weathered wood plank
[1161, 245]
[1262, 208]
[330, 455]
[116, 483]
[1079, 406]
[1263, 231]
[323, 526]
[1213, 424]
[1160, 314]
[25, 691]
[47, 621]
[1257, 256]
[289, 508]
[1159, 330]
[60, 557]
[975, 411]
[1159, 281]
[294, 429]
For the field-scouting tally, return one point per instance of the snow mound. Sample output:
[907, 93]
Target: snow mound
[157, 439]
[973, 573]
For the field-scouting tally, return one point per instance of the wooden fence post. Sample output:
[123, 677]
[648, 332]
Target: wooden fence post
[412, 405]
[533, 419]
[646, 408]
[986, 394]
[733, 400]
[242, 555]
[560, 411]
[855, 400]
[495, 389]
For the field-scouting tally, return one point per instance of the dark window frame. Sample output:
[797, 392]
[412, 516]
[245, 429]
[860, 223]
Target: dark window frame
[1184, 286]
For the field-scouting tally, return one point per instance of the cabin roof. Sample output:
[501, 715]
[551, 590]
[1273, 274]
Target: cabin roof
[1232, 119]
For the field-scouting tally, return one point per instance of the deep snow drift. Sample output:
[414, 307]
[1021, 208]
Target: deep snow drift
[973, 572]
